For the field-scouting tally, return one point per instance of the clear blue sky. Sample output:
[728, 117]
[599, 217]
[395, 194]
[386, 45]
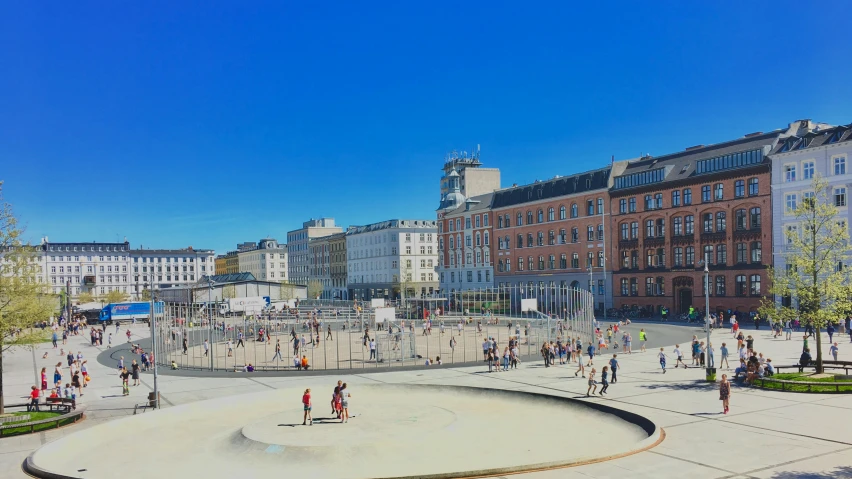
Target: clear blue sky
[211, 123]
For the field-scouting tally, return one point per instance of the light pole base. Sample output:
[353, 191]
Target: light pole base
[711, 375]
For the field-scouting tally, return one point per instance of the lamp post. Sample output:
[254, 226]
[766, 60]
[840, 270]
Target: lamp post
[153, 321]
[710, 375]
[210, 316]
[592, 289]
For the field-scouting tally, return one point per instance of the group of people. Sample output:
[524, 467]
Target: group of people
[339, 404]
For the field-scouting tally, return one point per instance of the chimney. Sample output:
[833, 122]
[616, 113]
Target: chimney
[694, 147]
[753, 134]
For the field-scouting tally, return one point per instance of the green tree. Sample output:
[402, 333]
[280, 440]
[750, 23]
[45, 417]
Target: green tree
[115, 297]
[229, 291]
[24, 301]
[146, 295]
[287, 291]
[85, 297]
[315, 289]
[815, 248]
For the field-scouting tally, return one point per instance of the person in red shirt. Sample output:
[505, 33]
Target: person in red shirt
[53, 393]
[34, 395]
[306, 402]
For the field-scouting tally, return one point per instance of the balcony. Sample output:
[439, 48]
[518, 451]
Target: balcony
[89, 280]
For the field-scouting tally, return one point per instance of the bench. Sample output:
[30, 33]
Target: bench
[61, 404]
[826, 364]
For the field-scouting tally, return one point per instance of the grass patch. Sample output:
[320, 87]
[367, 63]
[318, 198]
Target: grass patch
[804, 377]
[34, 416]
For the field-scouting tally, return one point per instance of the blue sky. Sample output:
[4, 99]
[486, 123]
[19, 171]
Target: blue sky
[212, 123]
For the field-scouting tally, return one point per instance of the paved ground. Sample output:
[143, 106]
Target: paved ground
[768, 434]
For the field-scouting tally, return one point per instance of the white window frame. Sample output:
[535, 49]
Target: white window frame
[835, 163]
[808, 165]
[790, 168]
[795, 197]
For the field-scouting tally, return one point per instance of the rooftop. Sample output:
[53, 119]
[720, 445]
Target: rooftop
[389, 224]
[815, 139]
[553, 188]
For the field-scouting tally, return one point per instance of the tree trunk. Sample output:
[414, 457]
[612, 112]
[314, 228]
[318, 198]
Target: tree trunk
[819, 368]
[2, 405]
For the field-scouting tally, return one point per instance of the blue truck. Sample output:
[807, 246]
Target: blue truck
[140, 311]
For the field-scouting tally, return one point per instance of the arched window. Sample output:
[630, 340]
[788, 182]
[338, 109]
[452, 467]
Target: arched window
[540, 215]
[506, 242]
[574, 211]
[540, 238]
[550, 214]
[520, 219]
[485, 238]
[529, 240]
[452, 243]
[529, 217]
[520, 241]
[499, 221]
[499, 243]
[478, 239]
[562, 212]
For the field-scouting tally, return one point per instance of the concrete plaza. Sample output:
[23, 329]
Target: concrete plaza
[767, 434]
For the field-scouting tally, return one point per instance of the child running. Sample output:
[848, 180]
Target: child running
[306, 402]
[662, 356]
[593, 386]
[603, 381]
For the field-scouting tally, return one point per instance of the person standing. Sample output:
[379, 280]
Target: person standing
[593, 387]
[373, 348]
[57, 373]
[109, 340]
[725, 393]
[344, 403]
[724, 362]
[604, 381]
[613, 364]
[206, 347]
[125, 386]
[662, 357]
[44, 378]
[185, 345]
[134, 366]
[642, 338]
[34, 395]
[55, 339]
[306, 402]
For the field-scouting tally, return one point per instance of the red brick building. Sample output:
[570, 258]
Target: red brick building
[668, 212]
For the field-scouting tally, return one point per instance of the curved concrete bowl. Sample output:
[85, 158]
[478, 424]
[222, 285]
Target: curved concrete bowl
[396, 431]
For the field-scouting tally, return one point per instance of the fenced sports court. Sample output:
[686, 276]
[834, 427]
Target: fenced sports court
[344, 335]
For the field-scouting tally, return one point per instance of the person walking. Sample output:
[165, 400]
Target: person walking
[833, 350]
[604, 381]
[344, 403]
[44, 379]
[662, 357]
[125, 377]
[134, 367]
[724, 362]
[57, 373]
[830, 330]
[591, 351]
[34, 395]
[55, 339]
[277, 351]
[788, 330]
[679, 356]
[593, 386]
[725, 393]
[581, 368]
[185, 345]
[373, 348]
[206, 347]
[239, 339]
[306, 402]
[642, 338]
[613, 363]
[328, 334]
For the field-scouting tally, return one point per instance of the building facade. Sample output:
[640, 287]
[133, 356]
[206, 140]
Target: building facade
[94, 268]
[473, 179]
[553, 235]
[464, 241]
[337, 243]
[670, 212]
[392, 258]
[822, 151]
[267, 261]
[221, 263]
[297, 246]
[169, 268]
[319, 264]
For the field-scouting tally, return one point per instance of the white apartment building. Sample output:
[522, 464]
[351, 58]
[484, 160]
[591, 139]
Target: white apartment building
[468, 263]
[268, 261]
[167, 268]
[816, 150]
[385, 258]
[96, 268]
[298, 247]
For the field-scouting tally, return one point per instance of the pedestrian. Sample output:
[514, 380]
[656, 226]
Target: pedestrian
[206, 347]
[55, 340]
[44, 379]
[662, 357]
[724, 351]
[373, 348]
[830, 330]
[604, 381]
[306, 402]
[725, 393]
[34, 395]
[788, 330]
[57, 373]
[833, 351]
[613, 363]
[125, 386]
[593, 387]
[109, 340]
[328, 334]
[591, 351]
[344, 403]
[128, 335]
[277, 351]
[230, 348]
[643, 338]
[711, 360]
[185, 345]
[679, 356]
[239, 339]
[134, 367]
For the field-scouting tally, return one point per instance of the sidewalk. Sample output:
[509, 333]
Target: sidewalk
[767, 434]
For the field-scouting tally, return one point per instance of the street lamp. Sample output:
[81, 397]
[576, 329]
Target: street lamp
[592, 288]
[153, 321]
[710, 375]
[210, 315]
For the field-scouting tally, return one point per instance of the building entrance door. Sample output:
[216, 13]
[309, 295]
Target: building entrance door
[684, 300]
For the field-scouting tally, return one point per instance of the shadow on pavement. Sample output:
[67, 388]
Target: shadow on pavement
[698, 385]
[839, 472]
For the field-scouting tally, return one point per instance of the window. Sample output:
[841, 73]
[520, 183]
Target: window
[622, 207]
[807, 197]
[541, 262]
[540, 216]
[634, 287]
[676, 198]
[741, 285]
[484, 223]
[705, 194]
[678, 256]
[600, 206]
[792, 232]
[590, 259]
[807, 170]
[718, 191]
[520, 219]
[520, 241]
[649, 202]
[690, 255]
[600, 232]
[756, 252]
[721, 255]
[506, 222]
[720, 285]
[789, 173]
[641, 178]
[740, 219]
[791, 202]
[708, 222]
[840, 196]
[634, 230]
[687, 196]
[632, 205]
[529, 240]
[625, 288]
[708, 253]
[506, 242]
[520, 264]
[634, 259]
[678, 226]
[650, 229]
[563, 261]
[625, 259]
[649, 287]
[689, 224]
[755, 285]
[742, 253]
[840, 165]
[752, 187]
[590, 233]
[475, 223]
[551, 237]
[739, 189]
[551, 262]
[574, 210]
[485, 239]
[575, 260]
[575, 235]
[721, 222]
[658, 201]
[530, 263]
[540, 239]
[600, 259]
[754, 217]
[551, 214]
[625, 231]
[590, 207]
[529, 217]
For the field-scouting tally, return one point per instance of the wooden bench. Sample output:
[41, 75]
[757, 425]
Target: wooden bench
[844, 365]
[61, 404]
